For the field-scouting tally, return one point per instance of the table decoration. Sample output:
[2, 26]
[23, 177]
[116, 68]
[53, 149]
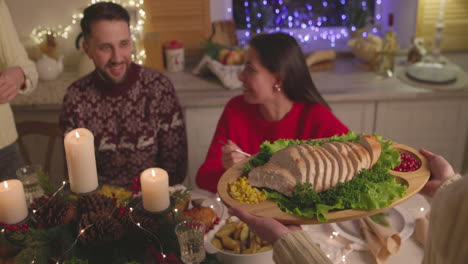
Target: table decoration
[13, 207]
[103, 227]
[81, 160]
[155, 189]
[398, 218]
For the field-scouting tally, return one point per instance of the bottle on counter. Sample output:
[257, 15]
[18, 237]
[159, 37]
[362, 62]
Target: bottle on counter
[389, 47]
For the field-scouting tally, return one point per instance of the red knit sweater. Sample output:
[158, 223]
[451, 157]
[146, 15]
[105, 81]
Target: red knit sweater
[241, 123]
[137, 124]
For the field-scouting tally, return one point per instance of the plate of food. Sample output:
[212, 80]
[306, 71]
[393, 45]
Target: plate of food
[397, 217]
[234, 243]
[209, 211]
[326, 180]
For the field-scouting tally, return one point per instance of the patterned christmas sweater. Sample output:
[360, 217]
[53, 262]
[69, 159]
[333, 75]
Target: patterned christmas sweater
[137, 124]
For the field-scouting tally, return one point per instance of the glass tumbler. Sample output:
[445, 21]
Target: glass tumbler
[190, 234]
[28, 176]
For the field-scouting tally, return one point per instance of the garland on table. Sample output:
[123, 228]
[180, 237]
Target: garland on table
[104, 227]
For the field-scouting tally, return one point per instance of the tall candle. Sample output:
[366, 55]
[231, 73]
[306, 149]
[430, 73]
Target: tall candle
[155, 189]
[13, 207]
[81, 161]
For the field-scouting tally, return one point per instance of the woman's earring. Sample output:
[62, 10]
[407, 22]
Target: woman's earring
[277, 88]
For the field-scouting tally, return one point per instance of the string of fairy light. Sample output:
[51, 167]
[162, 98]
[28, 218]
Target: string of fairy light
[39, 33]
[83, 230]
[304, 23]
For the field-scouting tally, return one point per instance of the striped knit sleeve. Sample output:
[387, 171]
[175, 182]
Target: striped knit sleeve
[297, 248]
[448, 239]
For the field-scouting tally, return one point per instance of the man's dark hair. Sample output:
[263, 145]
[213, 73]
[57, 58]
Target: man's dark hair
[102, 11]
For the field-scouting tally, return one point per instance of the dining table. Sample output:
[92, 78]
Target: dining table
[341, 249]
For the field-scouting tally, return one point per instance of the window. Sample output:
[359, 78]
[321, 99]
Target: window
[316, 24]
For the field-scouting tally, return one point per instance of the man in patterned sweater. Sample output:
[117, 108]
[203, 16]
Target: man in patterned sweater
[133, 111]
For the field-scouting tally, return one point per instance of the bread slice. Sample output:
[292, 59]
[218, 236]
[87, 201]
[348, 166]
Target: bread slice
[290, 159]
[372, 144]
[273, 177]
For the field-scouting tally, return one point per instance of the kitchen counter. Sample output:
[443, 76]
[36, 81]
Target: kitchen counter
[361, 99]
[347, 82]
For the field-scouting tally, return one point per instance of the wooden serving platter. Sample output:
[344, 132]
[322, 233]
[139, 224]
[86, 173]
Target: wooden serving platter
[415, 181]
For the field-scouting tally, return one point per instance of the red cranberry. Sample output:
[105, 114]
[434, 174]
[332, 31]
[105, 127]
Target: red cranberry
[408, 163]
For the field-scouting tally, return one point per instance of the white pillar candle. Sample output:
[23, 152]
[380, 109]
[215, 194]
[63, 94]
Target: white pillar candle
[13, 207]
[81, 161]
[155, 189]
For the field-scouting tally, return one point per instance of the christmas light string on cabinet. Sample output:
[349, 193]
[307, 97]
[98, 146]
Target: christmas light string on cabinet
[39, 33]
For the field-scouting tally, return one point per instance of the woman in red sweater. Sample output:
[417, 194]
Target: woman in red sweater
[279, 101]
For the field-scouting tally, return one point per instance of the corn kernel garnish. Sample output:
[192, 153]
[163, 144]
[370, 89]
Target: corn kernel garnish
[243, 192]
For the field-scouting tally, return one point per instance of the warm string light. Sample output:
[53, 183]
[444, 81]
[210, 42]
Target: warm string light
[64, 183]
[304, 25]
[130, 211]
[39, 33]
[334, 235]
[82, 231]
[34, 211]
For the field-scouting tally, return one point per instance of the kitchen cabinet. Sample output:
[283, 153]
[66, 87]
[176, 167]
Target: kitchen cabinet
[440, 126]
[200, 124]
[358, 116]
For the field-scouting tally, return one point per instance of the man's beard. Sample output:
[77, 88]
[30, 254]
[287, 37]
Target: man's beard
[107, 78]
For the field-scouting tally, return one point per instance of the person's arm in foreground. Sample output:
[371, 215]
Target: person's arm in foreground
[447, 241]
[20, 75]
[290, 244]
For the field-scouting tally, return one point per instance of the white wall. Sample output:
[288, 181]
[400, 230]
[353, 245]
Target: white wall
[405, 15]
[220, 9]
[28, 14]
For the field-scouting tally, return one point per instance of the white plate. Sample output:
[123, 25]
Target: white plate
[431, 72]
[398, 217]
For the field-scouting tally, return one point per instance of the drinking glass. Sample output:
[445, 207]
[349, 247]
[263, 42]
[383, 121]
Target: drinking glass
[190, 234]
[28, 176]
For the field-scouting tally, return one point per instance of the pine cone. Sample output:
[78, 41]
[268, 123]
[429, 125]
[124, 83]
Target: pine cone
[104, 229]
[96, 203]
[146, 222]
[56, 212]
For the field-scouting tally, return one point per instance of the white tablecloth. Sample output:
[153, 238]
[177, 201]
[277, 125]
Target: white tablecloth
[410, 251]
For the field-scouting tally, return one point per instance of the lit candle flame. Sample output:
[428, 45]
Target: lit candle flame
[5, 183]
[77, 135]
[153, 173]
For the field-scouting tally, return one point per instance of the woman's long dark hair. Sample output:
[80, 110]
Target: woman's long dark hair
[281, 54]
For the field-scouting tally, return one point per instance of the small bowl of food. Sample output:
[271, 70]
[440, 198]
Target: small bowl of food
[234, 243]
